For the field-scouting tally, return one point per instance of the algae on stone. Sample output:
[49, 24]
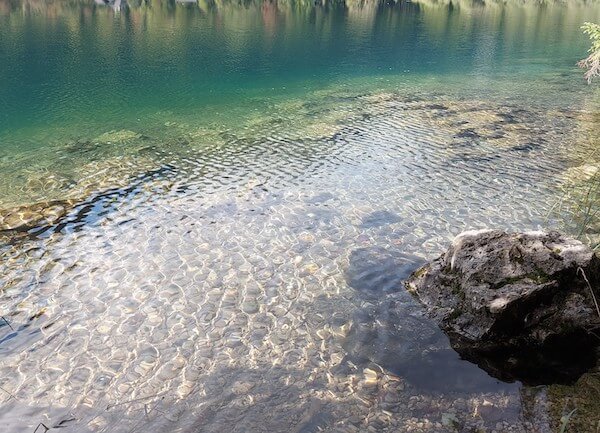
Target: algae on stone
[117, 136]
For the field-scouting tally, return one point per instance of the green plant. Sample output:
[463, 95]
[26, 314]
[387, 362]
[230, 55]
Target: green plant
[579, 206]
[588, 207]
[564, 421]
[592, 62]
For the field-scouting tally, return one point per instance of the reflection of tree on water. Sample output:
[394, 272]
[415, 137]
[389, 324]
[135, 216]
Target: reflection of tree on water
[270, 14]
[444, 23]
[440, 24]
[114, 4]
[365, 11]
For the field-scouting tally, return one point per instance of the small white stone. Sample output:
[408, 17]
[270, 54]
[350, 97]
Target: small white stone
[498, 305]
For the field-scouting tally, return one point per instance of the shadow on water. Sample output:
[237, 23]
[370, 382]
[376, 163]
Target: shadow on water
[375, 271]
[562, 361]
[76, 214]
[390, 328]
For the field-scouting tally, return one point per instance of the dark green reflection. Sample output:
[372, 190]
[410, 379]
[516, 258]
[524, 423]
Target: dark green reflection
[82, 63]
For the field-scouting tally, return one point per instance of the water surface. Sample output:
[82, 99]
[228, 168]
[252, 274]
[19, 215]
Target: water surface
[208, 209]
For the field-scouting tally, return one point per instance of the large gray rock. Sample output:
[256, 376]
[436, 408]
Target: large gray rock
[516, 303]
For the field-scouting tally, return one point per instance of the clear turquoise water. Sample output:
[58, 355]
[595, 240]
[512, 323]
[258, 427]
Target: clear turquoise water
[83, 67]
[207, 210]
[74, 71]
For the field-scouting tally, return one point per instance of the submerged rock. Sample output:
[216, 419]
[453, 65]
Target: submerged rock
[379, 218]
[119, 136]
[26, 217]
[518, 304]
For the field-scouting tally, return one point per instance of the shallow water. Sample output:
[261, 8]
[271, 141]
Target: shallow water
[209, 209]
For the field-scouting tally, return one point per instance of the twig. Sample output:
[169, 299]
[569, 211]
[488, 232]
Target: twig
[7, 322]
[591, 331]
[65, 421]
[41, 425]
[11, 395]
[147, 412]
[579, 269]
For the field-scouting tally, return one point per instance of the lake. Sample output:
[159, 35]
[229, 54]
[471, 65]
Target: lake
[208, 209]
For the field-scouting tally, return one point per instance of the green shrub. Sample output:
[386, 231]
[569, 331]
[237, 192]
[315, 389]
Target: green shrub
[592, 62]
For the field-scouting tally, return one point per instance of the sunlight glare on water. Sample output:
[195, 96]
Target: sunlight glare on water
[207, 209]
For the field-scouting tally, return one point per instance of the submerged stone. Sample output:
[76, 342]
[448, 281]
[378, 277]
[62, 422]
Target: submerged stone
[26, 217]
[521, 305]
[467, 133]
[119, 136]
[379, 218]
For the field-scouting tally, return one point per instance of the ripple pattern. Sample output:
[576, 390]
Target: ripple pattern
[212, 292]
